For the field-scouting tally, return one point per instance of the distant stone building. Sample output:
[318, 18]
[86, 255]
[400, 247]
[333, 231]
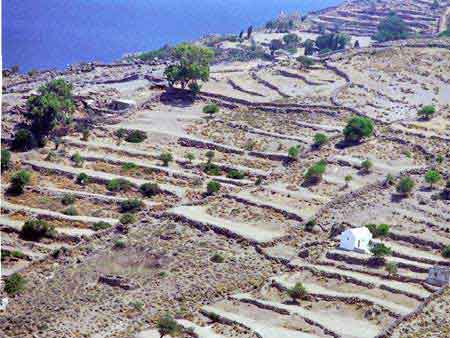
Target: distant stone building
[439, 275]
[356, 239]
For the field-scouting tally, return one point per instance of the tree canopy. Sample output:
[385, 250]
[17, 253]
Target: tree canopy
[392, 28]
[52, 106]
[192, 65]
[333, 41]
[357, 128]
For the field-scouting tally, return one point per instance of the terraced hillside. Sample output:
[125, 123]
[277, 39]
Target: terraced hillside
[139, 233]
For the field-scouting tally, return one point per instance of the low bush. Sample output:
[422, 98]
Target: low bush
[211, 169]
[293, 152]
[167, 326]
[131, 205]
[166, 158]
[391, 268]
[427, 112]
[190, 157]
[6, 159]
[320, 140]
[136, 136]
[19, 181]
[212, 187]
[309, 226]
[120, 244]
[446, 252]
[14, 284]
[236, 174]
[78, 159]
[149, 189]
[71, 211]
[210, 154]
[68, 199]
[366, 166]
[211, 109]
[217, 258]
[432, 176]
[405, 186]
[83, 179]
[118, 184]
[101, 226]
[298, 291]
[305, 60]
[23, 140]
[380, 250]
[129, 166]
[315, 173]
[128, 219]
[380, 230]
[36, 229]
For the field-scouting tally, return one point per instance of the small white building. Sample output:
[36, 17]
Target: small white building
[356, 239]
[439, 275]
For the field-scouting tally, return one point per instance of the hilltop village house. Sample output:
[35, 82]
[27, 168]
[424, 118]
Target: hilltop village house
[439, 275]
[356, 239]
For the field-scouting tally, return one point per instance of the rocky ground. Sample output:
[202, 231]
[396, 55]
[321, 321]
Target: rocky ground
[224, 265]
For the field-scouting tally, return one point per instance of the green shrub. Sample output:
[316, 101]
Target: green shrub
[149, 189]
[293, 152]
[432, 177]
[68, 199]
[120, 244]
[358, 128]
[14, 284]
[315, 173]
[136, 136]
[217, 258]
[167, 326]
[19, 181]
[121, 133]
[211, 169]
[6, 158]
[190, 157]
[71, 211]
[392, 268]
[36, 229]
[298, 291]
[118, 184]
[380, 230]
[210, 155]
[446, 252]
[405, 186]
[366, 165]
[305, 60]
[129, 166]
[427, 112]
[128, 219]
[392, 28]
[23, 140]
[380, 250]
[309, 226]
[348, 179]
[101, 226]
[211, 109]
[83, 179]
[166, 158]
[78, 159]
[389, 180]
[212, 187]
[14, 253]
[131, 205]
[236, 174]
[320, 140]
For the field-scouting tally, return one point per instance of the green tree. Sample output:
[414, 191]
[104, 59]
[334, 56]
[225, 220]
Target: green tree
[309, 47]
[211, 109]
[52, 106]
[432, 176]
[192, 65]
[36, 229]
[149, 189]
[366, 165]
[293, 152]
[291, 40]
[392, 268]
[392, 28]
[23, 140]
[446, 252]
[166, 158]
[357, 128]
[332, 41]
[381, 250]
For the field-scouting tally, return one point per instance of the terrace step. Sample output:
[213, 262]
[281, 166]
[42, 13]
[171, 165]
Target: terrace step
[16, 225]
[262, 329]
[99, 175]
[351, 256]
[251, 233]
[408, 289]
[334, 324]
[320, 291]
[200, 331]
[319, 127]
[389, 166]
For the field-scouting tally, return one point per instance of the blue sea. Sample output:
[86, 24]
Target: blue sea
[43, 34]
